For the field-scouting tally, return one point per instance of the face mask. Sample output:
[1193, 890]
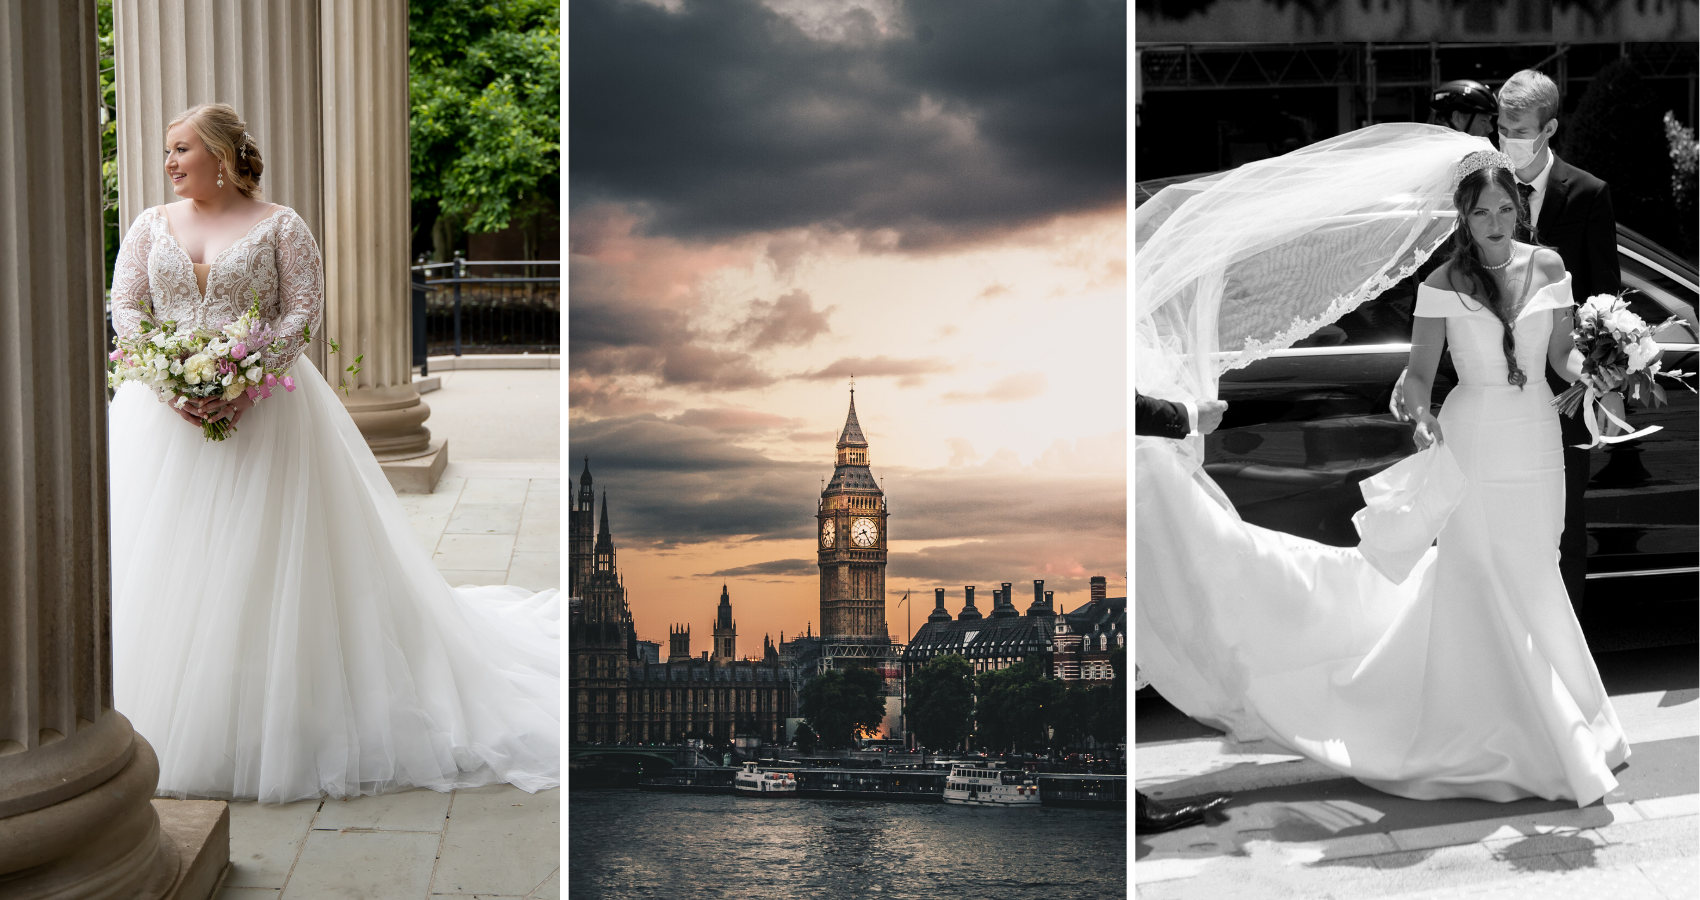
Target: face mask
[1522, 152]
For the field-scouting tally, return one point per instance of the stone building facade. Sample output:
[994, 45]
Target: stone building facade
[616, 694]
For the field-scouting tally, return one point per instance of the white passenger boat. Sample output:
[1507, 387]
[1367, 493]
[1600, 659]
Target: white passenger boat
[754, 782]
[986, 786]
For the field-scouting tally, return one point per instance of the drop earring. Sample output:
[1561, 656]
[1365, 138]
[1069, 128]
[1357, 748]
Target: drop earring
[221, 174]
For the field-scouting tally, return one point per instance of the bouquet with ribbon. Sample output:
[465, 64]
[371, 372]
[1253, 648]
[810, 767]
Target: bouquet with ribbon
[185, 363]
[1618, 354]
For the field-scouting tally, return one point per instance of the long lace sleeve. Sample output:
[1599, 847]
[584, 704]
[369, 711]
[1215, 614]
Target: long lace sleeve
[301, 288]
[131, 296]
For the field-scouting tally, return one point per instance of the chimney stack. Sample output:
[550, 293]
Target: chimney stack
[1002, 608]
[939, 613]
[1099, 588]
[968, 610]
[1041, 600]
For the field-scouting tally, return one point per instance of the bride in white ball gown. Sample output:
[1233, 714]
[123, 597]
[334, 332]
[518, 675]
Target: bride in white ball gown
[1427, 672]
[278, 631]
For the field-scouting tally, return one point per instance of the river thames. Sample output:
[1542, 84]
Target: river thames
[626, 843]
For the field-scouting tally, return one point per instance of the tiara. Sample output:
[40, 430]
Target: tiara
[1479, 159]
[242, 148]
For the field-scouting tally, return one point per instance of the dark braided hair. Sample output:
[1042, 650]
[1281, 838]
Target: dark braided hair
[1467, 268]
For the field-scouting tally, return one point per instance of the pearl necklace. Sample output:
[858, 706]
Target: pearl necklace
[1501, 265]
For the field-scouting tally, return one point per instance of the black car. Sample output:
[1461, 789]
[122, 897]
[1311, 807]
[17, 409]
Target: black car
[1307, 424]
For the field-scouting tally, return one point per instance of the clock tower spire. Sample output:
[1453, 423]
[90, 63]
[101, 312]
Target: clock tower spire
[851, 535]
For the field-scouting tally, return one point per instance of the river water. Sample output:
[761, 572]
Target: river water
[625, 843]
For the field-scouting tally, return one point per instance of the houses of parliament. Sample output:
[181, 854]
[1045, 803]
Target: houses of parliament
[620, 694]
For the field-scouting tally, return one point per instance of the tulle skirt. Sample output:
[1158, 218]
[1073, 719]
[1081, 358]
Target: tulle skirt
[279, 633]
[1471, 678]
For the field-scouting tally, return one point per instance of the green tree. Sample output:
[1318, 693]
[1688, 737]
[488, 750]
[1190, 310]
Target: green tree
[805, 738]
[941, 702]
[843, 704]
[1109, 712]
[485, 127]
[1015, 706]
[108, 134]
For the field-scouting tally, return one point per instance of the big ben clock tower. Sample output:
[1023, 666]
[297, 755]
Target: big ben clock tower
[851, 539]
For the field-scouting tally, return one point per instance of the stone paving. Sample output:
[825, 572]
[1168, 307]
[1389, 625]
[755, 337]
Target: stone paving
[490, 521]
[495, 841]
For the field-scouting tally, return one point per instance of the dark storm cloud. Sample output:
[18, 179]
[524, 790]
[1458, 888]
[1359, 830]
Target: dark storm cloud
[909, 372]
[789, 320]
[611, 335]
[965, 119]
[669, 483]
[772, 567]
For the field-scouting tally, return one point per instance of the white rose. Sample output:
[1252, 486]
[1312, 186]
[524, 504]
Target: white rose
[1642, 352]
[199, 368]
[232, 392]
[1623, 322]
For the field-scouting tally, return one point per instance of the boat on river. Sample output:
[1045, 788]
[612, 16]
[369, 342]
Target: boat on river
[986, 786]
[753, 781]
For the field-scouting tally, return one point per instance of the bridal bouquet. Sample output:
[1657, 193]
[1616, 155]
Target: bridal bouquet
[181, 364]
[1618, 354]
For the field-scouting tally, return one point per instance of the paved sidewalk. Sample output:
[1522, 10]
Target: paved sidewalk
[495, 841]
[1296, 829]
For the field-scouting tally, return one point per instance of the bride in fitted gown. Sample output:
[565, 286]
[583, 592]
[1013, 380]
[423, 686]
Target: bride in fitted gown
[1469, 678]
[278, 631]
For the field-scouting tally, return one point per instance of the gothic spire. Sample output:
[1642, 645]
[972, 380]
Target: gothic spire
[604, 536]
[852, 434]
[584, 477]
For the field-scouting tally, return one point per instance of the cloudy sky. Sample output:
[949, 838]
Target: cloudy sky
[768, 197]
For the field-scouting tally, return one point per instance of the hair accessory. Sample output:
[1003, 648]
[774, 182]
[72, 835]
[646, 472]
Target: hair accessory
[1476, 160]
[242, 148]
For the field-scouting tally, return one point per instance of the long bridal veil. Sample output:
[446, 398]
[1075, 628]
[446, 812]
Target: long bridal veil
[1230, 268]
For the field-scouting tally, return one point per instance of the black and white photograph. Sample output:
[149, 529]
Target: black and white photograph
[1414, 467]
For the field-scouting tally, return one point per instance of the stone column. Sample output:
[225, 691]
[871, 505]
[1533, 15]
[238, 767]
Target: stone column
[323, 87]
[367, 233]
[75, 780]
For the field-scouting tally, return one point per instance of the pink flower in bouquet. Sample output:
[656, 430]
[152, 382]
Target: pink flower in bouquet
[288, 383]
[271, 380]
[240, 351]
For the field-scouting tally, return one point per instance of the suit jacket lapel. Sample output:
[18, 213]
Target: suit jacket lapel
[1558, 190]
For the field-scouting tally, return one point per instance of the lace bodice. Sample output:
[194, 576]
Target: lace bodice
[1473, 332]
[277, 258]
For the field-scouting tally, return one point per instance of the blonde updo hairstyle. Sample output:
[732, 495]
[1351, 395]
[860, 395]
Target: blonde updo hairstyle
[226, 137]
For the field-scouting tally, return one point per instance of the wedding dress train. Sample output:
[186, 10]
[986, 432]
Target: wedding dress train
[1471, 678]
[278, 631]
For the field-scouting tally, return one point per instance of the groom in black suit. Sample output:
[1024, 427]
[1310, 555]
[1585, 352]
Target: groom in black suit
[1572, 213]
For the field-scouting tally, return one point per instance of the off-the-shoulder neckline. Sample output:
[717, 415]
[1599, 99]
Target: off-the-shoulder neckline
[1528, 304]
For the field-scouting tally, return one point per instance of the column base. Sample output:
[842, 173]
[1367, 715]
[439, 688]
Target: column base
[200, 830]
[418, 474]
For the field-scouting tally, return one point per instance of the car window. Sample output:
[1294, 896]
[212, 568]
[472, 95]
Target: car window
[1383, 320]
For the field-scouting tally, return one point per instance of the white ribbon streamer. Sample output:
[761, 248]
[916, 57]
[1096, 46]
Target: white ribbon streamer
[1590, 402]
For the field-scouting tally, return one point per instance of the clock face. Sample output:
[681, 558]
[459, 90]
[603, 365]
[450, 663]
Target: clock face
[864, 532]
[827, 529]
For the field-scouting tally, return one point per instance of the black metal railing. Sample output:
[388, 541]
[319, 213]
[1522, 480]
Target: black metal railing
[482, 306]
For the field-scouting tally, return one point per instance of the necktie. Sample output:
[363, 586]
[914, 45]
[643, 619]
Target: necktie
[1527, 191]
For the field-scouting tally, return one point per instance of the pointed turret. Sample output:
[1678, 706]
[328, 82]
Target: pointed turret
[851, 436]
[604, 541]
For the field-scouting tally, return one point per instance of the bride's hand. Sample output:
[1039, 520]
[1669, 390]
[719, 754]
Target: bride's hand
[1428, 431]
[217, 408]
